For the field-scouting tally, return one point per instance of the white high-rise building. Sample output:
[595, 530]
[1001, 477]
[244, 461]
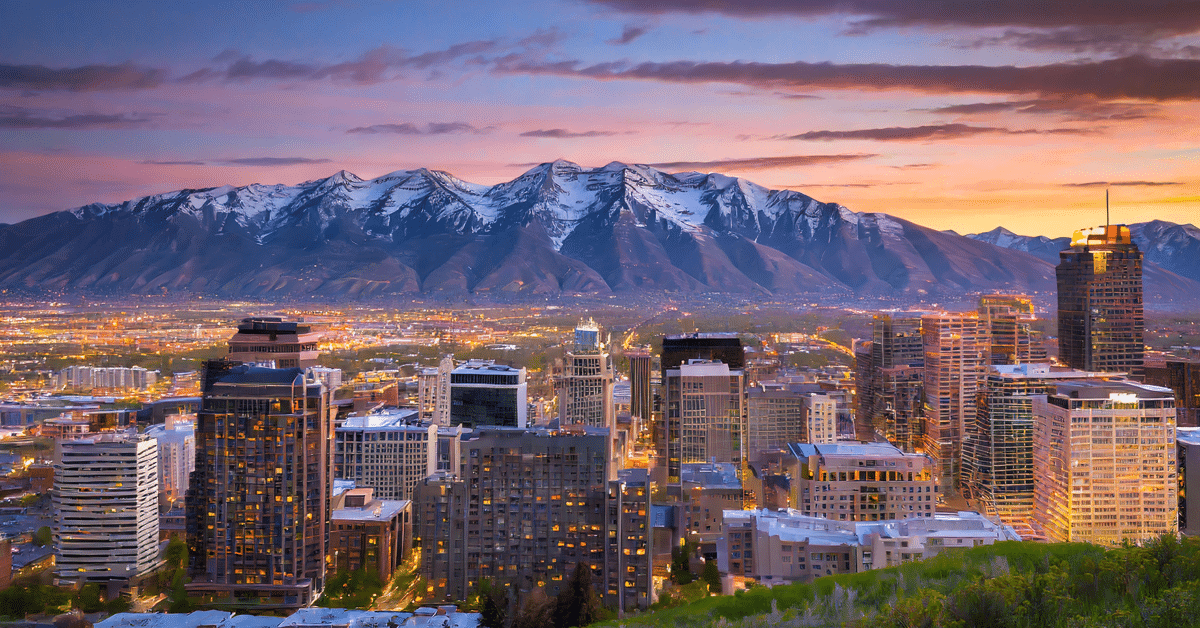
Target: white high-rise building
[820, 418]
[176, 454]
[433, 392]
[585, 387]
[1104, 462]
[388, 451]
[705, 415]
[105, 503]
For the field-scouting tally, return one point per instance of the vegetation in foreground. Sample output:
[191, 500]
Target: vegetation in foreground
[1007, 585]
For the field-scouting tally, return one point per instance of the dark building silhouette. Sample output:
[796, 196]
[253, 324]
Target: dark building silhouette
[259, 500]
[1183, 378]
[1100, 317]
[679, 349]
[641, 389]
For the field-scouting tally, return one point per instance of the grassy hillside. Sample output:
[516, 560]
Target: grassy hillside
[1008, 585]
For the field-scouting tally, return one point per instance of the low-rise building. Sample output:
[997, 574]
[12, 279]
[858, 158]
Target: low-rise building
[368, 533]
[776, 547]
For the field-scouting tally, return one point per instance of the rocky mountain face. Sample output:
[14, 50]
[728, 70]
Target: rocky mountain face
[557, 229]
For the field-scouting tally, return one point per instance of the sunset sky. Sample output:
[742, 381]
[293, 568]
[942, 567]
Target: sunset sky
[956, 115]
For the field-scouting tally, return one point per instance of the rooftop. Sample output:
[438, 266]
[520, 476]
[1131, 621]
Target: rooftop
[847, 449]
[390, 419]
[1106, 389]
[375, 510]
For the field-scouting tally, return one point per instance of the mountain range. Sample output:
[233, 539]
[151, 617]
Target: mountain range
[556, 229]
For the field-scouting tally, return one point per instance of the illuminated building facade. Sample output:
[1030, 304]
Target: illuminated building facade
[388, 451]
[271, 339]
[1100, 317]
[705, 415]
[861, 482]
[1104, 458]
[433, 392]
[485, 393]
[176, 454]
[1010, 319]
[524, 508]
[956, 346]
[585, 386]
[896, 343]
[1000, 447]
[259, 502]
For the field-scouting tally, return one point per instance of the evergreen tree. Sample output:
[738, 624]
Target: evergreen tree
[577, 605]
[712, 576]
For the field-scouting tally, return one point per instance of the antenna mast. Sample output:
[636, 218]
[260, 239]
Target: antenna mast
[1107, 220]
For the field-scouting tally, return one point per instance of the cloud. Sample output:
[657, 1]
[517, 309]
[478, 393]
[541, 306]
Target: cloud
[762, 163]
[1134, 77]
[915, 166]
[563, 133]
[17, 118]
[84, 78]
[1074, 109]
[371, 67]
[628, 34]
[432, 128]
[1118, 184]
[848, 185]
[273, 161]
[153, 162]
[926, 132]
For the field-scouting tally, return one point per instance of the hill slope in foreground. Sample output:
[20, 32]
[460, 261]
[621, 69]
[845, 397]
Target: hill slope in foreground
[1007, 585]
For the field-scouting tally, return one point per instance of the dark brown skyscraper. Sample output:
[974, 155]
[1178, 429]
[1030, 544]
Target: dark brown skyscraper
[1100, 319]
[641, 391]
[259, 503]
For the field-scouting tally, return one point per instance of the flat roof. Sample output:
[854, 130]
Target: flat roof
[385, 420]
[376, 510]
[1102, 389]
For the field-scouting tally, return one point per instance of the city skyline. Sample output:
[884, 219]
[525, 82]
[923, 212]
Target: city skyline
[974, 118]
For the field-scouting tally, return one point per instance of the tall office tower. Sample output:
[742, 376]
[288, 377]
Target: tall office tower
[630, 555]
[1009, 319]
[271, 339]
[860, 481]
[105, 503]
[641, 390]
[1100, 318]
[865, 383]
[525, 507]
[775, 416]
[705, 415]
[390, 452]
[176, 454]
[956, 346]
[1000, 454]
[896, 341]
[259, 502]
[585, 388]
[485, 393]
[433, 392]
[1104, 459]
[900, 403]
[1183, 378]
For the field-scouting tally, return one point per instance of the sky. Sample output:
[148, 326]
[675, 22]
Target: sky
[961, 115]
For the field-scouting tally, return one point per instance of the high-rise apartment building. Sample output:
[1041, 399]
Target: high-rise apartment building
[956, 346]
[176, 454]
[896, 342]
[999, 448]
[705, 416]
[1100, 317]
[1182, 376]
[1104, 462]
[485, 393]
[900, 403]
[271, 339]
[433, 392]
[390, 452]
[775, 416]
[259, 502]
[585, 386]
[861, 482]
[525, 507]
[105, 503]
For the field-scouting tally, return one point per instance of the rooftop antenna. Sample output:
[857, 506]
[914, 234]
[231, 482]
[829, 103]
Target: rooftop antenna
[1107, 220]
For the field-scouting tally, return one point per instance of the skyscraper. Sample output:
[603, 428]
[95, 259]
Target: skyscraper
[704, 415]
[956, 347]
[433, 392]
[896, 342]
[176, 454]
[1100, 317]
[641, 389]
[1010, 319]
[1104, 459]
[585, 387]
[271, 339]
[259, 502]
[385, 451]
[105, 507]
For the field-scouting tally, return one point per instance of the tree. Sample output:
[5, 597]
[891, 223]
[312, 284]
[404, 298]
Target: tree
[537, 611]
[42, 537]
[577, 604]
[492, 602]
[712, 576]
[681, 570]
